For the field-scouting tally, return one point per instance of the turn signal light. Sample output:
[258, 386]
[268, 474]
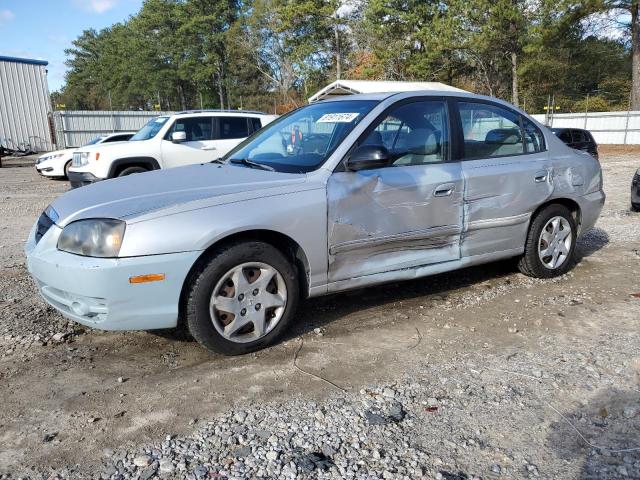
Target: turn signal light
[151, 277]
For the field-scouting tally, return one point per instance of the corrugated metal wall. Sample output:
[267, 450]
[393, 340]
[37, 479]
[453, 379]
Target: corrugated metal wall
[24, 104]
[76, 127]
[613, 128]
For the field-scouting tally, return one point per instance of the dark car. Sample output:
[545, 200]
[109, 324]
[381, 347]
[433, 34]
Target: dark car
[635, 192]
[577, 138]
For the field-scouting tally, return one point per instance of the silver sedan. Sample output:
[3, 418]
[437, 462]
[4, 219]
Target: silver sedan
[336, 195]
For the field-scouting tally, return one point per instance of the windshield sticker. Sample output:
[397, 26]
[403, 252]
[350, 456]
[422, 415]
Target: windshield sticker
[338, 117]
[160, 119]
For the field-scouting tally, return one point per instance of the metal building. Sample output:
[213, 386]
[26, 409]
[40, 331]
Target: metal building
[25, 105]
[351, 87]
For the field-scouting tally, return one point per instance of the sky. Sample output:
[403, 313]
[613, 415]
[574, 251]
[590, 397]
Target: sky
[42, 29]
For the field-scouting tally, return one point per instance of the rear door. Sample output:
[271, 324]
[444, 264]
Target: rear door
[405, 215]
[507, 176]
[198, 147]
[229, 132]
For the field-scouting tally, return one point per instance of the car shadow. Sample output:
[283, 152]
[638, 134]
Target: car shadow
[610, 422]
[592, 241]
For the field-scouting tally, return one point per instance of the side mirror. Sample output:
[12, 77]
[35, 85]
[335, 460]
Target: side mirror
[367, 157]
[177, 137]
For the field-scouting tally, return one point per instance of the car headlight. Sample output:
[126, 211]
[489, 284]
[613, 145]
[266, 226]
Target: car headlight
[49, 157]
[93, 238]
[80, 159]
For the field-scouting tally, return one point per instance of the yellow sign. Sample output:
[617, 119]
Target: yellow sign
[60, 105]
[157, 106]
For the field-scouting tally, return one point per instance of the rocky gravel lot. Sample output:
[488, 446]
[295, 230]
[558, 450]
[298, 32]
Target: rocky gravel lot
[480, 373]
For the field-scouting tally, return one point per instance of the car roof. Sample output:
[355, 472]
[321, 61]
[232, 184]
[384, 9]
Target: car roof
[416, 93]
[206, 112]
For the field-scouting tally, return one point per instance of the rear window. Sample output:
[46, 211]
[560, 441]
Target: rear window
[232, 127]
[578, 136]
[257, 124]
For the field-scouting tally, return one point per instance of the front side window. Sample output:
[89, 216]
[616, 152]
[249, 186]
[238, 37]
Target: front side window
[415, 133]
[302, 140]
[197, 129]
[151, 129]
[233, 127]
[490, 131]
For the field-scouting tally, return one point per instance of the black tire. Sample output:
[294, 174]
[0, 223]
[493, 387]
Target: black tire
[635, 207]
[204, 279]
[530, 263]
[67, 166]
[131, 171]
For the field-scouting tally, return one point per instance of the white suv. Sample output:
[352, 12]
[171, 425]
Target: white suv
[184, 138]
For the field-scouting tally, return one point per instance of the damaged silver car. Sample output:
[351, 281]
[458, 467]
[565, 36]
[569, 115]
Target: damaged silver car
[336, 195]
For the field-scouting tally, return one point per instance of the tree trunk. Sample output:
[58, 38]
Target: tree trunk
[183, 101]
[220, 91]
[514, 79]
[635, 49]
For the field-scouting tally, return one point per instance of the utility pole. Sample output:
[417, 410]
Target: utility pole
[113, 120]
[338, 58]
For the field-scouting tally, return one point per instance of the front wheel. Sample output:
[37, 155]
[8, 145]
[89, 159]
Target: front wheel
[131, 171]
[551, 242]
[243, 299]
[635, 207]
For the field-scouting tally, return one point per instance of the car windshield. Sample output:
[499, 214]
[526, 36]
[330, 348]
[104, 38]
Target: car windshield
[302, 140]
[94, 141]
[150, 130]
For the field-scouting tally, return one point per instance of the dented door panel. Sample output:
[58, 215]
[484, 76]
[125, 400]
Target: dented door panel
[500, 196]
[393, 218]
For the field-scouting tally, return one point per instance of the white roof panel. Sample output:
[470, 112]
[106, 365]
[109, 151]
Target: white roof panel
[350, 87]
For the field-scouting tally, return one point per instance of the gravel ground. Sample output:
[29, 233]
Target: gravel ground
[481, 373]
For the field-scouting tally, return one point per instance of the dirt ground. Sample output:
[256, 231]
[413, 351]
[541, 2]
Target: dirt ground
[569, 346]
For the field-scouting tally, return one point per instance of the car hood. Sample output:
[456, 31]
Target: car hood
[142, 196]
[58, 152]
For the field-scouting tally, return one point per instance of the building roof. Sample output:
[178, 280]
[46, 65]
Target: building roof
[350, 87]
[28, 61]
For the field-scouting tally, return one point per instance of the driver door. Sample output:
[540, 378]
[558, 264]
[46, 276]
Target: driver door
[405, 215]
[199, 146]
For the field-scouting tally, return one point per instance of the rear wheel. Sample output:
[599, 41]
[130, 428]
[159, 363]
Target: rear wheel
[243, 299]
[551, 242]
[131, 171]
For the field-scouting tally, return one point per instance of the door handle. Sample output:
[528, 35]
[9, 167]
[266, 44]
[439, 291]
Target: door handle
[444, 190]
[208, 147]
[541, 177]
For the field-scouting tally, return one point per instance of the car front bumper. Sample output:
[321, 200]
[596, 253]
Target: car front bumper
[80, 179]
[96, 291]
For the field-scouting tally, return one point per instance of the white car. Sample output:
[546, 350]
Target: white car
[57, 163]
[184, 138]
